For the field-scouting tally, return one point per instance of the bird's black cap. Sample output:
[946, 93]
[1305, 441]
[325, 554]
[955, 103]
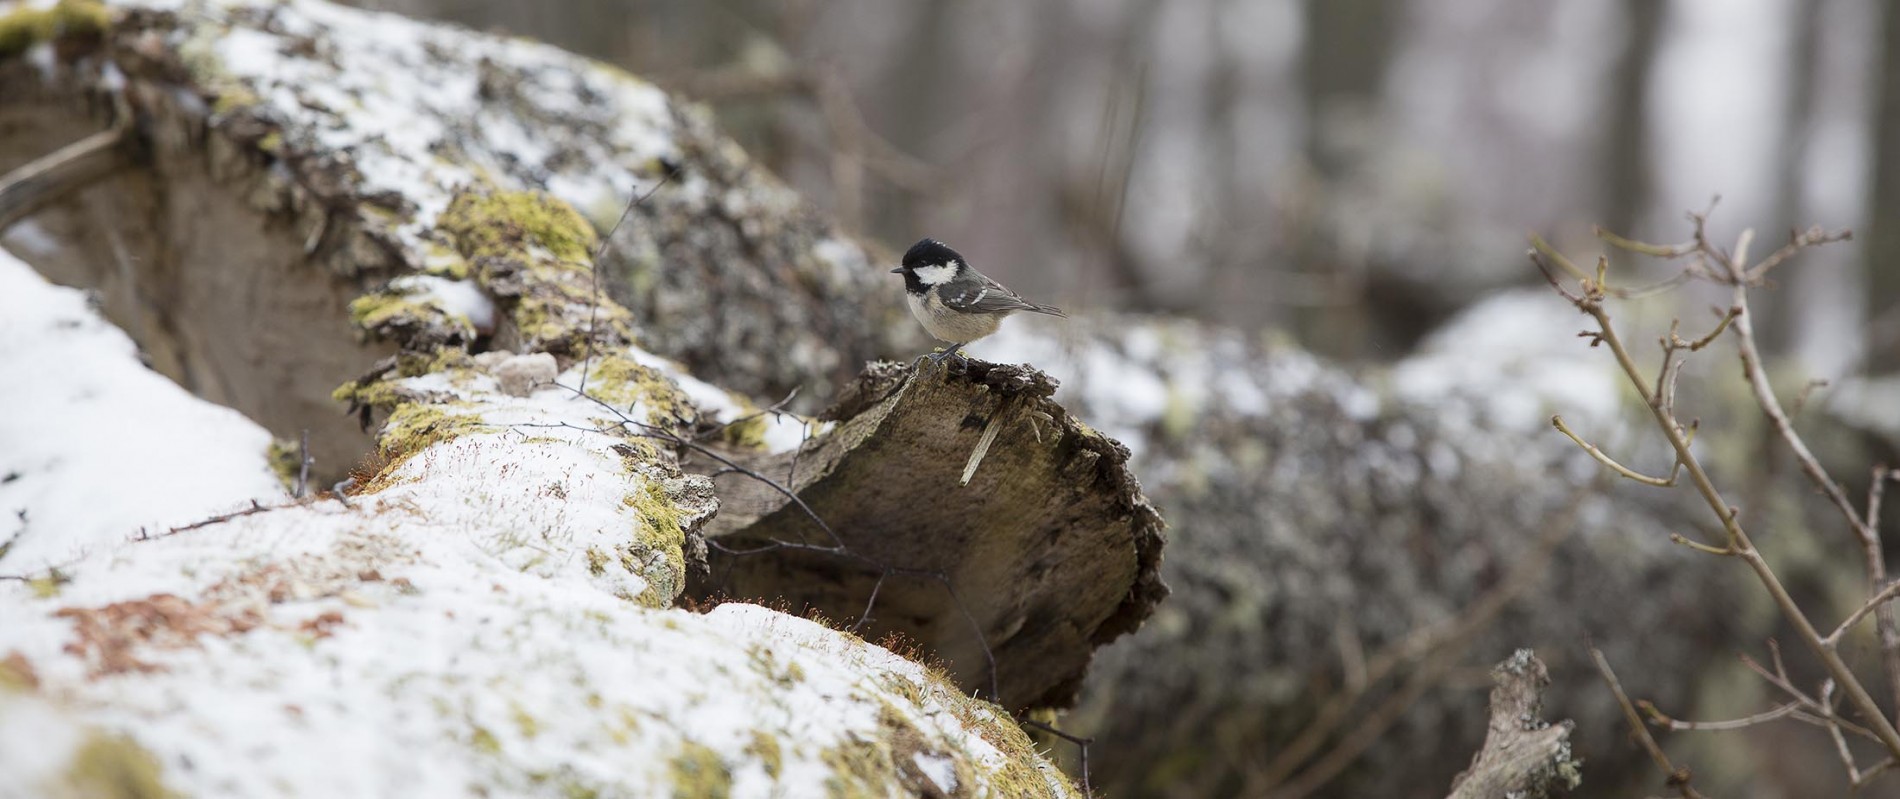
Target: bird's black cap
[929, 252]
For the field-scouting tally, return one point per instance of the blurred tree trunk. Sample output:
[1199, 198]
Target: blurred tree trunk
[1779, 314]
[1626, 168]
[1348, 46]
[1882, 230]
[916, 89]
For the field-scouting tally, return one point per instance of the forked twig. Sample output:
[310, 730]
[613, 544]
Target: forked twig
[1679, 778]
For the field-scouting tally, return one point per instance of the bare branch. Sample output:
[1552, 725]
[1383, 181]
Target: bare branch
[1551, 255]
[1678, 777]
[1663, 720]
[1678, 538]
[1862, 528]
[1081, 743]
[31, 186]
[1710, 259]
[1886, 595]
[1734, 312]
[1659, 482]
[1652, 250]
[1797, 241]
[593, 268]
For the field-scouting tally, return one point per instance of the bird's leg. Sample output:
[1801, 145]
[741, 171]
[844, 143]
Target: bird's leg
[953, 351]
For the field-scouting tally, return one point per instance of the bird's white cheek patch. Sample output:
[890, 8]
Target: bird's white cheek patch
[936, 275]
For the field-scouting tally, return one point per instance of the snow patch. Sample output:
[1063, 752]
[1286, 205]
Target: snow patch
[95, 446]
[940, 770]
[454, 297]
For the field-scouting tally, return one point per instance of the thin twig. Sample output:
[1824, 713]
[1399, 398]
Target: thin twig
[31, 186]
[593, 267]
[1678, 777]
[1797, 241]
[1640, 248]
[221, 518]
[1558, 422]
[865, 617]
[1550, 253]
[775, 410]
[1081, 742]
[1663, 720]
[1886, 595]
[303, 464]
[1854, 776]
[1683, 540]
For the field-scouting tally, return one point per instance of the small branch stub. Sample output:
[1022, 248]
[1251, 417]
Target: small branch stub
[1523, 755]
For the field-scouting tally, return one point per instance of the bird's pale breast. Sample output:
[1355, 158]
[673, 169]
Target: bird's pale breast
[947, 325]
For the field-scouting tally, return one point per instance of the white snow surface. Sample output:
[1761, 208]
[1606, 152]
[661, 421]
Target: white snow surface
[453, 297]
[93, 445]
[418, 124]
[1517, 355]
[784, 432]
[457, 672]
[1141, 379]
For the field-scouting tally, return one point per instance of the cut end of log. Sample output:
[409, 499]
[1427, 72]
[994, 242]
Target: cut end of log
[964, 499]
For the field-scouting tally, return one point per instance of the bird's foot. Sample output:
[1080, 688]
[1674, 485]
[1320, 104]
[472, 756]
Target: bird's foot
[940, 357]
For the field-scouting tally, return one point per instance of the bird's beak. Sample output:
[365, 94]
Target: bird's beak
[895, 271]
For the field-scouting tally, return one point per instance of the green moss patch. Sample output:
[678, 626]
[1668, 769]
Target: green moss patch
[870, 767]
[67, 19]
[660, 532]
[747, 432]
[415, 426]
[507, 223]
[409, 317]
[764, 747]
[534, 254]
[1024, 772]
[114, 767]
[698, 773]
[623, 382]
[286, 461]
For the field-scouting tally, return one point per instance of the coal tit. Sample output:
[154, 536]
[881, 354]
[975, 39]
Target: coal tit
[956, 303]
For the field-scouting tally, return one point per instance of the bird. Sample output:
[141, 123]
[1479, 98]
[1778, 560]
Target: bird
[955, 303]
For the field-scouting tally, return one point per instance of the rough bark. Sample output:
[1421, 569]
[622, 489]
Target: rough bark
[1523, 755]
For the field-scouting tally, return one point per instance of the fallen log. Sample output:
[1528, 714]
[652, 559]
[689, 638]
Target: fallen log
[330, 210]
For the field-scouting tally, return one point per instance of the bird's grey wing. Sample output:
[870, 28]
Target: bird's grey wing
[979, 294]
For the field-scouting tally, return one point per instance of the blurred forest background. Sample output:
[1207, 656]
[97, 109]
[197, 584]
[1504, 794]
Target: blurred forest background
[1350, 171]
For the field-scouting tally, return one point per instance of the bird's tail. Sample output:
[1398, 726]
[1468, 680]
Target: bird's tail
[1048, 309]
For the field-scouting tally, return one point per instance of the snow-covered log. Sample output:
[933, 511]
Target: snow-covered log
[318, 197]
